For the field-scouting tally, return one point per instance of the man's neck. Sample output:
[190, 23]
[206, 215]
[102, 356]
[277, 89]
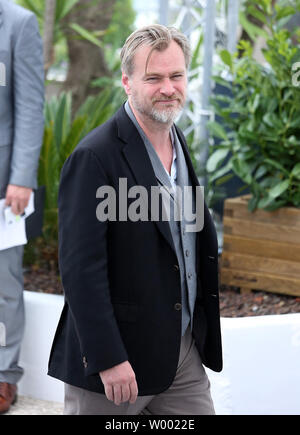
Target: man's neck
[158, 133]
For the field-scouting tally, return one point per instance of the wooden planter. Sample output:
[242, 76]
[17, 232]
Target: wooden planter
[261, 250]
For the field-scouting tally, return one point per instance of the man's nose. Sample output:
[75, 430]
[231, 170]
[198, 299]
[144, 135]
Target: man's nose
[167, 88]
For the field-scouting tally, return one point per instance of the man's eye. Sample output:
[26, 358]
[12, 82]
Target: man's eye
[177, 77]
[151, 79]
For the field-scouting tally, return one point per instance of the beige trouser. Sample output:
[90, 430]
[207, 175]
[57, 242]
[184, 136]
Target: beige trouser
[189, 393]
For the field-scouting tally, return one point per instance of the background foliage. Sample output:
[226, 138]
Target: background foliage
[259, 144]
[259, 128]
[62, 134]
[63, 128]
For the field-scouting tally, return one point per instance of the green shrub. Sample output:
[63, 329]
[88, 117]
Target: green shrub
[260, 127]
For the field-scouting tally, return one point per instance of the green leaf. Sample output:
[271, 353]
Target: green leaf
[226, 58]
[196, 53]
[242, 170]
[275, 205]
[282, 12]
[296, 171]
[62, 119]
[217, 130]
[266, 5]
[34, 7]
[265, 202]
[253, 203]
[277, 165]
[255, 103]
[255, 12]
[72, 139]
[216, 158]
[222, 82]
[217, 174]
[271, 120]
[261, 171]
[279, 189]
[252, 30]
[85, 34]
[64, 7]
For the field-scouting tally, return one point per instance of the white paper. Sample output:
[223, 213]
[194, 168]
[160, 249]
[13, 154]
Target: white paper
[12, 227]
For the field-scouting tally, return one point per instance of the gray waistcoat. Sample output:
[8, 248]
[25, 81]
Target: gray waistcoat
[184, 242]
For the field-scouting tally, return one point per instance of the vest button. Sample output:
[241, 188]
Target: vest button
[177, 307]
[176, 267]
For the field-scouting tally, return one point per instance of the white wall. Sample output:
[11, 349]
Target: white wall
[261, 372]
[42, 312]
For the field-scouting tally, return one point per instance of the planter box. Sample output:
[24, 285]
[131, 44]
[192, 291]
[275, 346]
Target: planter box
[261, 250]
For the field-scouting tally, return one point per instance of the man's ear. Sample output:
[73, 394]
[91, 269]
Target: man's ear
[125, 83]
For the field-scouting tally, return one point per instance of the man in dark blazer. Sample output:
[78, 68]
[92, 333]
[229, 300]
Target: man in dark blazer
[21, 137]
[141, 313]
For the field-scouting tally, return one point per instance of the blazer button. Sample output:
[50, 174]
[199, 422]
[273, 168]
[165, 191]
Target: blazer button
[85, 364]
[176, 267]
[177, 307]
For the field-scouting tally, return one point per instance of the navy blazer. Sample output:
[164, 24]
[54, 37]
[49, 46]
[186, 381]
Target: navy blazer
[121, 278]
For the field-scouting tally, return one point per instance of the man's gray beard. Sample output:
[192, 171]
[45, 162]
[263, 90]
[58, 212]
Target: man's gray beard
[164, 116]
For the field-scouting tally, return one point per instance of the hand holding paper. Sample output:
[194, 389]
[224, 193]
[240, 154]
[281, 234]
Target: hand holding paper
[18, 198]
[12, 227]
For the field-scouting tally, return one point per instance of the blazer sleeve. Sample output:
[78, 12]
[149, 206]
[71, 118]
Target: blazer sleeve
[28, 97]
[83, 262]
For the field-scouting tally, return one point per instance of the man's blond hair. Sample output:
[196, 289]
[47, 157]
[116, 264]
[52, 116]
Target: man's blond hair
[156, 36]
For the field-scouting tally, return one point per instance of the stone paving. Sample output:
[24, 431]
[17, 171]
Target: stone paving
[30, 406]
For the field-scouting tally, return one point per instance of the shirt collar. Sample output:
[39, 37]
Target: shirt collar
[173, 176]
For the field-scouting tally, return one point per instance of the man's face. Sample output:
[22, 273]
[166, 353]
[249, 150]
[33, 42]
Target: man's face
[158, 93]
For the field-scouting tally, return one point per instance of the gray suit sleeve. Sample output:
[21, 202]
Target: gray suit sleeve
[28, 94]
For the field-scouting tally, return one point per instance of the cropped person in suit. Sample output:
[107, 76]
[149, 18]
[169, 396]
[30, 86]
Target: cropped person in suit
[21, 133]
[141, 313]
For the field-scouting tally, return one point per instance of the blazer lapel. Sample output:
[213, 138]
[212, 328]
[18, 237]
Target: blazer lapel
[181, 180]
[188, 160]
[138, 159]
